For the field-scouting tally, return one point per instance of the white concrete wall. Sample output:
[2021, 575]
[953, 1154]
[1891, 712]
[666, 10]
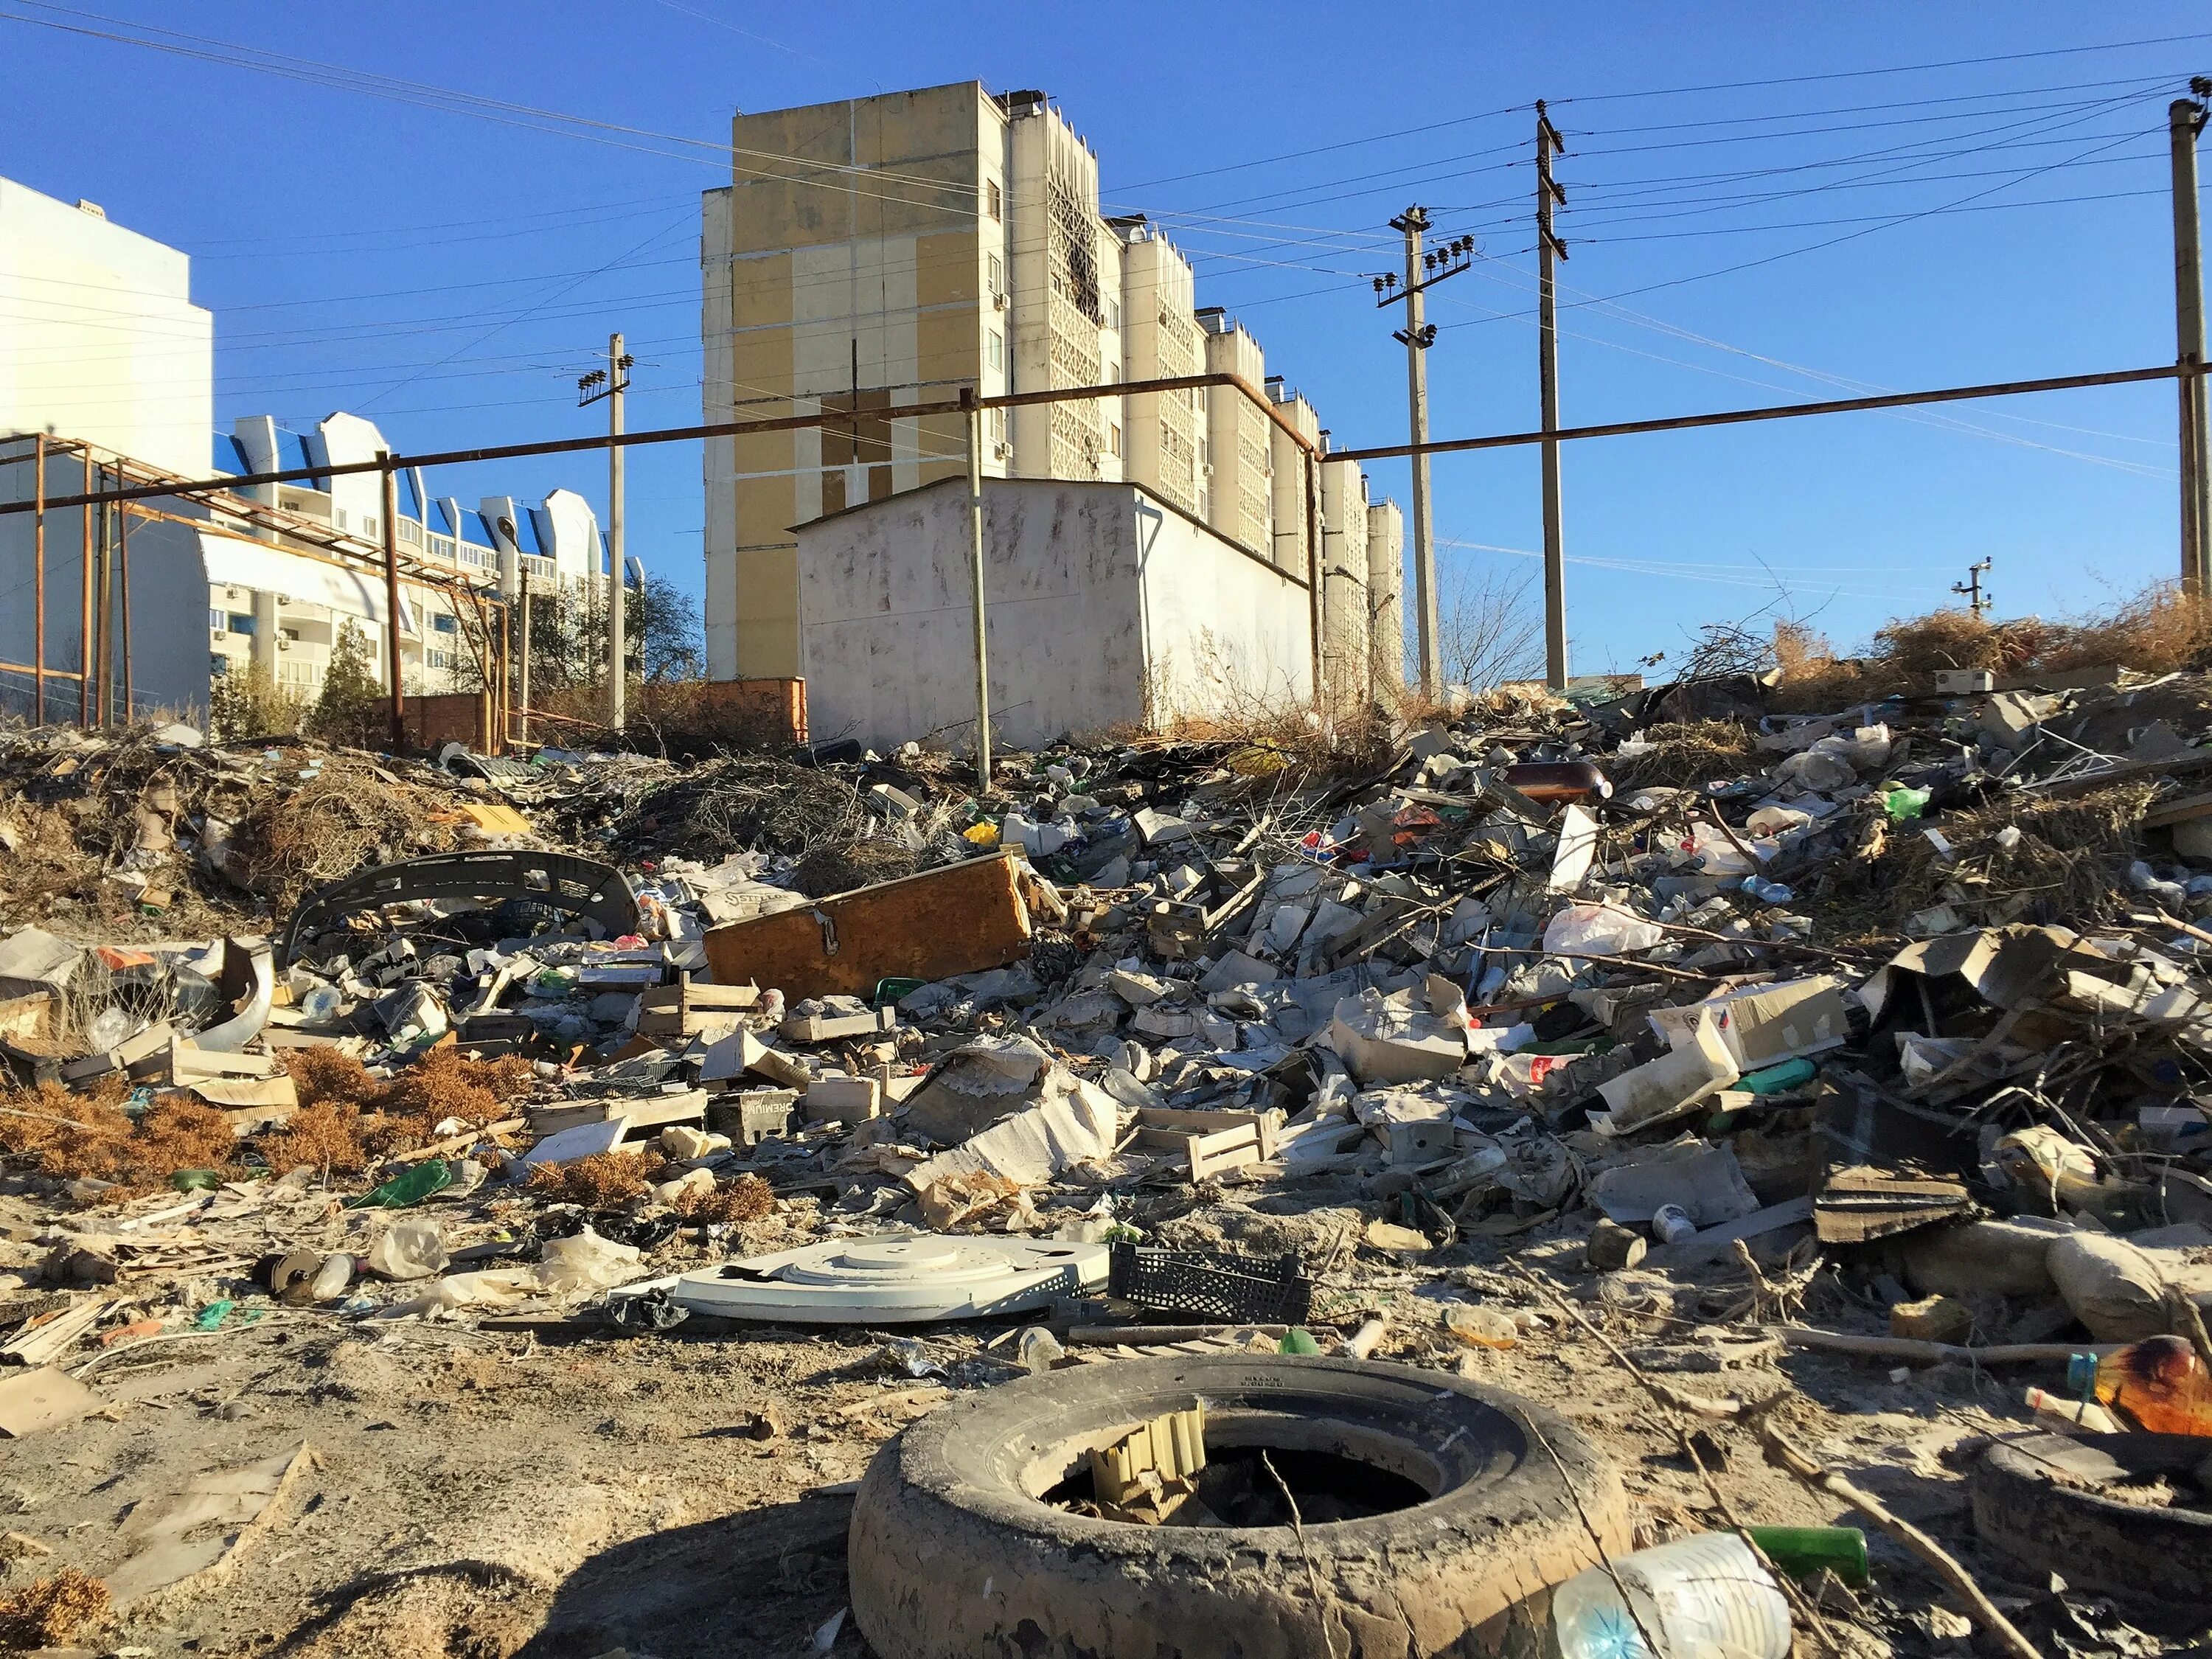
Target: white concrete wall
[101, 343]
[1098, 596]
[1386, 595]
[1343, 581]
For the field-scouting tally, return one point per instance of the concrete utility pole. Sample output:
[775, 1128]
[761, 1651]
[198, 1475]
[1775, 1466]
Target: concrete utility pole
[1413, 222]
[1424, 269]
[522, 691]
[974, 415]
[1548, 144]
[2185, 120]
[1971, 589]
[608, 384]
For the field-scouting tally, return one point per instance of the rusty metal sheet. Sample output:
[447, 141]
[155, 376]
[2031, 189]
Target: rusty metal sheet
[960, 919]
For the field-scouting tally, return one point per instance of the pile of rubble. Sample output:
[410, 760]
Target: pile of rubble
[1879, 1036]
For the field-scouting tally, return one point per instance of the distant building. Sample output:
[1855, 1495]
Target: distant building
[106, 366]
[877, 253]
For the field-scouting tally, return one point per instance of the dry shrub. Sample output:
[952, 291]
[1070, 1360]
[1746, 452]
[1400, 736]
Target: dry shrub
[1694, 751]
[446, 1083]
[325, 1137]
[598, 1182]
[330, 1076]
[100, 1141]
[2157, 631]
[47, 1612]
[746, 1198]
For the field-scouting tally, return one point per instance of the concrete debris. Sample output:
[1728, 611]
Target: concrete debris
[1888, 1021]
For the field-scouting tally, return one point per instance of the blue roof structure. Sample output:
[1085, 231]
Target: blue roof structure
[474, 529]
[294, 450]
[410, 494]
[533, 533]
[230, 456]
[440, 521]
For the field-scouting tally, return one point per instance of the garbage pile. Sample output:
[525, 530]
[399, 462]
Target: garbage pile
[1883, 1031]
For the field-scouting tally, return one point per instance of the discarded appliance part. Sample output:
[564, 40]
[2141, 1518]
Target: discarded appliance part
[577, 887]
[1549, 780]
[891, 1279]
[961, 919]
[1500, 1501]
[2034, 1499]
[1212, 1285]
[248, 984]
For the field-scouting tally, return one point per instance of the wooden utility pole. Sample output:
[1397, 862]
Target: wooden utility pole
[1549, 246]
[2185, 120]
[974, 414]
[522, 690]
[396, 699]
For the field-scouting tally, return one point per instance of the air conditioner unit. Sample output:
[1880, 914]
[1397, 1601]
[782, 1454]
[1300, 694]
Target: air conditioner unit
[218, 633]
[284, 644]
[997, 302]
[1000, 451]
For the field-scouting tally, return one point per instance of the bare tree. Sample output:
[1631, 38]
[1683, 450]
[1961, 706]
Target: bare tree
[1491, 627]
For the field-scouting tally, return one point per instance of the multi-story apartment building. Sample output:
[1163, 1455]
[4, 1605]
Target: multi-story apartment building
[107, 372]
[879, 253]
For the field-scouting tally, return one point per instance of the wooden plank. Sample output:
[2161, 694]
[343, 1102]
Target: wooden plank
[1714, 1242]
[55, 1335]
[642, 1112]
[962, 919]
[2178, 811]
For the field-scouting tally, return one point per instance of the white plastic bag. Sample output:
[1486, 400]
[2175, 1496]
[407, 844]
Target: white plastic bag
[1599, 929]
[585, 1261]
[408, 1249]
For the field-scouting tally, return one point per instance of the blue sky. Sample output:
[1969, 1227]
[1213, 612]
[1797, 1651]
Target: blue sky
[1768, 212]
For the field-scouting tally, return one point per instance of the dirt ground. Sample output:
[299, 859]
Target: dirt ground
[548, 1489]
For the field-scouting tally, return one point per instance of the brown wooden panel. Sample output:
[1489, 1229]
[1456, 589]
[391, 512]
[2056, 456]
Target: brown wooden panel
[959, 919]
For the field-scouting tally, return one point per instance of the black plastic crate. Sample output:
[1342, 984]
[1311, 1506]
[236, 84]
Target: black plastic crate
[1211, 1285]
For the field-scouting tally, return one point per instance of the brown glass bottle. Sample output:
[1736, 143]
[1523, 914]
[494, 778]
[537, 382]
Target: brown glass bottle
[2159, 1384]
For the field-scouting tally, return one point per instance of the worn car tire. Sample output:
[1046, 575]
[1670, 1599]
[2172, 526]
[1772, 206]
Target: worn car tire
[2145, 1555]
[954, 1556]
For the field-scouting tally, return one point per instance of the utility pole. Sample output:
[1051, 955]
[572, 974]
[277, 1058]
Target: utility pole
[974, 411]
[1548, 142]
[610, 383]
[522, 691]
[2185, 120]
[1971, 589]
[1424, 269]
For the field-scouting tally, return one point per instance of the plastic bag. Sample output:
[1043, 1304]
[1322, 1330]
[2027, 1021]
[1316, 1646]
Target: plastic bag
[408, 1249]
[585, 1261]
[1599, 929]
[1815, 772]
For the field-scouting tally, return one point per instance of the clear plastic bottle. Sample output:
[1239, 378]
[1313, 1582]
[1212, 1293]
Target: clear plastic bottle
[1706, 1597]
[2158, 1383]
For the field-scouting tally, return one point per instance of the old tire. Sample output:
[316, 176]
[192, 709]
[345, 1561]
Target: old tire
[2028, 1505]
[953, 1555]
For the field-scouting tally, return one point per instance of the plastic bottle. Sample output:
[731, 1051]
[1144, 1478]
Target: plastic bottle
[332, 1277]
[2082, 1413]
[2158, 1383]
[1670, 1222]
[1698, 1598]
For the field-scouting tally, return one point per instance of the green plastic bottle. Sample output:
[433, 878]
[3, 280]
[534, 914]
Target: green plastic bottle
[432, 1174]
[1801, 1552]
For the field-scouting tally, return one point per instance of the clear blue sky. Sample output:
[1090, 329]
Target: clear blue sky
[450, 275]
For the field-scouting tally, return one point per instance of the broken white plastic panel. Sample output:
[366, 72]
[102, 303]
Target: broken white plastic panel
[894, 1278]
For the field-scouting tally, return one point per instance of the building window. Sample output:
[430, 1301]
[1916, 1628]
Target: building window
[994, 349]
[410, 531]
[445, 624]
[1113, 312]
[342, 516]
[993, 204]
[218, 664]
[997, 270]
[998, 426]
[218, 620]
[241, 622]
[1114, 439]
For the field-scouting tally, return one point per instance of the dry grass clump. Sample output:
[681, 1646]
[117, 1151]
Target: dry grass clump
[445, 1083]
[2156, 632]
[746, 1198]
[331, 1138]
[47, 1612]
[2072, 858]
[598, 1182]
[1692, 751]
[343, 820]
